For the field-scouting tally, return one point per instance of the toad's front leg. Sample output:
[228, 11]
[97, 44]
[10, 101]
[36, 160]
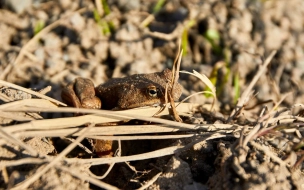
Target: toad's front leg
[80, 93]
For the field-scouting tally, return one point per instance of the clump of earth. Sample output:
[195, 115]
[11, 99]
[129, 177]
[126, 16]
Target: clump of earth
[50, 43]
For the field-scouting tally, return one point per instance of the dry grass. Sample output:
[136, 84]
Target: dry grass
[68, 127]
[74, 126]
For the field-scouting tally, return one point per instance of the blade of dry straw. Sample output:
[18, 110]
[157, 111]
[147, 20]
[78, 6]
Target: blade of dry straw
[38, 174]
[41, 103]
[8, 84]
[206, 81]
[14, 116]
[98, 161]
[153, 154]
[245, 95]
[106, 117]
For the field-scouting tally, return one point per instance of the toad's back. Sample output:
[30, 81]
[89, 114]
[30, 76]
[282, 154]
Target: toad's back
[136, 91]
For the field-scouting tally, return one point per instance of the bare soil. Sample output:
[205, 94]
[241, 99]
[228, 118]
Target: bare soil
[260, 146]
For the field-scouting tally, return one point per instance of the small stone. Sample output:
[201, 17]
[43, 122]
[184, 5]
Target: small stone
[78, 22]
[65, 3]
[18, 6]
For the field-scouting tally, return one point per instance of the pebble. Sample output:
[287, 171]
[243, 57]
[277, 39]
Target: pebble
[19, 6]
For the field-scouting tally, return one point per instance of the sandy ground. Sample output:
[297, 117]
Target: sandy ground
[259, 143]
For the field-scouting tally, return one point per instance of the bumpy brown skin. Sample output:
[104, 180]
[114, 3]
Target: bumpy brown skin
[121, 93]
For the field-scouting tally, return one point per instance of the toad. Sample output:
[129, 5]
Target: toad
[121, 93]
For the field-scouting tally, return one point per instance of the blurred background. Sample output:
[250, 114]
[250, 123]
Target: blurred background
[51, 42]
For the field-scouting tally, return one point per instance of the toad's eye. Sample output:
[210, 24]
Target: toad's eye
[152, 91]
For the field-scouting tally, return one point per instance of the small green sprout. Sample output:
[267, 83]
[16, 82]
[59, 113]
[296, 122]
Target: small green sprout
[40, 24]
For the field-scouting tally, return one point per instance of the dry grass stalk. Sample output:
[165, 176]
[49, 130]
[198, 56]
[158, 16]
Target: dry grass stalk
[98, 161]
[150, 182]
[206, 81]
[25, 49]
[66, 127]
[142, 137]
[268, 153]
[104, 175]
[100, 116]
[79, 175]
[25, 184]
[7, 84]
[245, 95]
[11, 138]
[175, 76]
[99, 7]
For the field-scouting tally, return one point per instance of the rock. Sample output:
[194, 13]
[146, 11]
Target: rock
[18, 6]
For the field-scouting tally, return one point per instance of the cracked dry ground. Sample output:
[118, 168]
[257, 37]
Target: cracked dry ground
[255, 143]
